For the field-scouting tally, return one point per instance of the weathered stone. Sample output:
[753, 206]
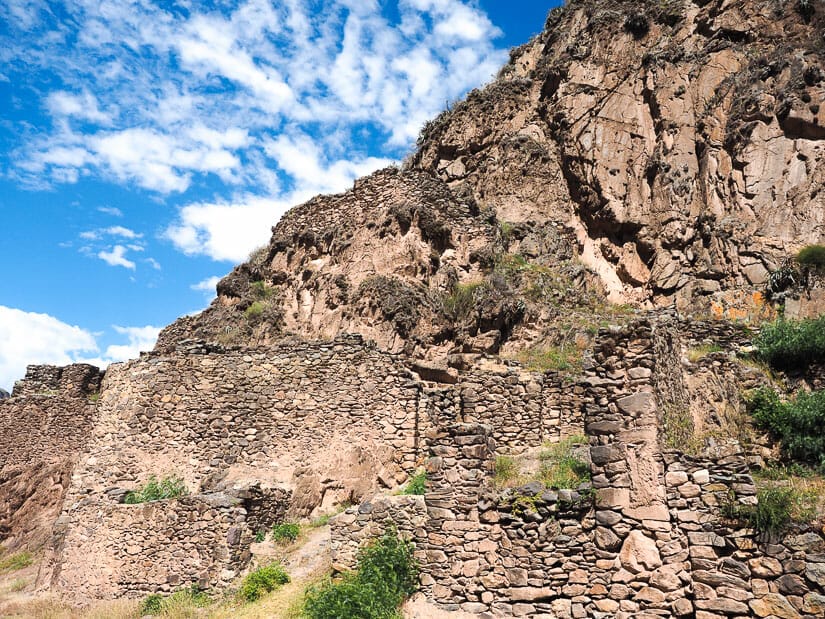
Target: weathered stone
[642, 403]
[606, 539]
[773, 605]
[639, 553]
[815, 572]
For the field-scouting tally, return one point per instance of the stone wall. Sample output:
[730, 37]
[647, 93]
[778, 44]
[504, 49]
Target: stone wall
[288, 415]
[50, 414]
[524, 409]
[653, 540]
[44, 427]
[160, 546]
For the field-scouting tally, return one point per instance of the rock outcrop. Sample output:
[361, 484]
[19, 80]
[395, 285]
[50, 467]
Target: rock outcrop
[650, 163]
[651, 153]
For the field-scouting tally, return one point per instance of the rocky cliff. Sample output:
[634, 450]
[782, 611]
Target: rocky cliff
[560, 258]
[645, 153]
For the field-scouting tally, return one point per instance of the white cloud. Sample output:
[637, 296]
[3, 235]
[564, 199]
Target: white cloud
[120, 231]
[116, 257]
[29, 337]
[140, 339]
[208, 284]
[181, 95]
[32, 338]
[110, 210]
[231, 230]
[83, 106]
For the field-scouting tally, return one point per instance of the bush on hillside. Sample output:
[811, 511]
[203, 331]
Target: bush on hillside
[792, 344]
[262, 581]
[386, 575]
[797, 424]
[157, 490]
[812, 256]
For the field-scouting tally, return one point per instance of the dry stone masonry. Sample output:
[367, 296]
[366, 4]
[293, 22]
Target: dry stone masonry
[650, 540]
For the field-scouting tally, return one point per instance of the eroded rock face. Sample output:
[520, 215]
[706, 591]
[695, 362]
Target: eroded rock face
[674, 148]
[691, 161]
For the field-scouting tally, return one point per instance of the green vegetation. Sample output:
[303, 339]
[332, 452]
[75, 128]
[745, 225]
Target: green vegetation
[157, 490]
[797, 424]
[255, 310]
[772, 513]
[792, 344]
[15, 561]
[506, 470]
[417, 484]
[285, 532]
[562, 358]
[260, 290]
[262, 581]
[386, 575]
[189, 598]
[461, 302]
[812, 256]
[561, 467]
[700, 352]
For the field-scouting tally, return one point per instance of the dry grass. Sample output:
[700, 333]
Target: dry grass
[52, 607]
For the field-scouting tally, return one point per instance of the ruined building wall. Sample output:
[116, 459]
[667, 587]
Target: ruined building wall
[43, 428]
[523, 409]
[652, 541]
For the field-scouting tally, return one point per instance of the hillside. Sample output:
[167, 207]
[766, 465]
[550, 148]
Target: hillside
[561, 350]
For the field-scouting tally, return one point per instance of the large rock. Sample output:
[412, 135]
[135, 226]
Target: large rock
[639, 553]
[774, 605]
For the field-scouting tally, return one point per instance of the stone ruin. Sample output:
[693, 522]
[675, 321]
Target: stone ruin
[247, 431]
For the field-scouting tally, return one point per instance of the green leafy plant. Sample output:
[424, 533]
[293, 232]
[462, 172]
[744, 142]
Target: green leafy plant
[260, 536]
[792, 344]
[262, 581]
[772, 513]
[285, 532]
[387, 574]
[152, 604]
[561, 467]
[812, 256]
[417, 484]
[157, 490]
[797, 424]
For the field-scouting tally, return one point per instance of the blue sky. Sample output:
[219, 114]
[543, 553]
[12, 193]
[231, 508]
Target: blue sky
[147, 147]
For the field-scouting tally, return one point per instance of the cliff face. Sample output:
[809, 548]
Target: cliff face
[651, 154]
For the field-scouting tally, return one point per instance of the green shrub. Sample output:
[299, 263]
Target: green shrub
[157, 490]
[191, 597]
[386, 575]
[461, 302]
[260, 290]
[797, 424]
[506, 470]
[561, 467]
[255, 310]
[262, 581]
[285, 532]
[16, 561]
[792, 344]
[417, 484]
[812, 256]
[152, 604]
[772, 513]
